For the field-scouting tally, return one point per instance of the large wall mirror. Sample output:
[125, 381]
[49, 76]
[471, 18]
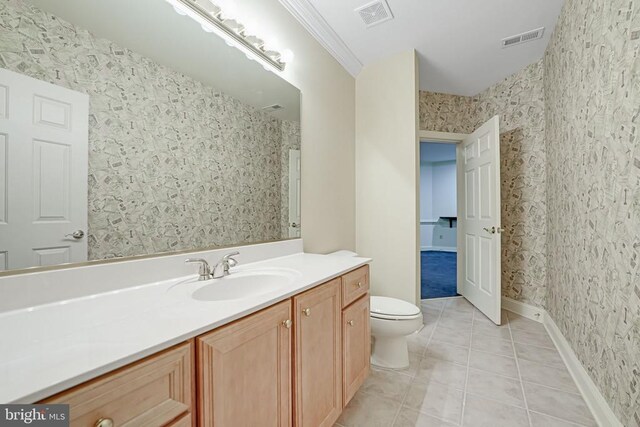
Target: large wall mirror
[126, 130]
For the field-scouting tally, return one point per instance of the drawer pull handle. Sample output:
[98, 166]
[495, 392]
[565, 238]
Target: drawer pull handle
[104, 422]
[307, 312]
[287, 323]
[351, 322]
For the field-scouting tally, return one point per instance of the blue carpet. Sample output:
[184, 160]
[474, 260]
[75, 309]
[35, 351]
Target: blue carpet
[438, 270]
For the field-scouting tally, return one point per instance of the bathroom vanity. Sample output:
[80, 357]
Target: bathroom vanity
[291, 352]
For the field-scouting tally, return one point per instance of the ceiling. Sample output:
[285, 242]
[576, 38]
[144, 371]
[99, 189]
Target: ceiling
[432, 152]
[153, 29]
[458, 41]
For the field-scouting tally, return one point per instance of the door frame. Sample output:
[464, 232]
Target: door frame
[449, 138]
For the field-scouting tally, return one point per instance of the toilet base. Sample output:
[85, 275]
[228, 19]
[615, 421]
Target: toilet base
[390, 352]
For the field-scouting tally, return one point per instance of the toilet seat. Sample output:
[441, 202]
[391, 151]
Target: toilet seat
[393, 309]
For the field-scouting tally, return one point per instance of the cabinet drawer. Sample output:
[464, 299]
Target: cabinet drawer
[153, 392]
[354, 285]
[356, 345]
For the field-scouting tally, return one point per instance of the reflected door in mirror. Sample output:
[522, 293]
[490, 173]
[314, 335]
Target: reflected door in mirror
[43, 173]
[294, 193]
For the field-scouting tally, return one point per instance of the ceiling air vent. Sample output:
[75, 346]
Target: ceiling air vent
[524, 37]
[375, 13]
[274, 107]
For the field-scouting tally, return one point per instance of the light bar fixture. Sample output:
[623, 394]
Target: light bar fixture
[213, 19]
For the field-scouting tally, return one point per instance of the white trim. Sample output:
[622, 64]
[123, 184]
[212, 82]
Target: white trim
[438, 248]
[315, 24]
[446, 137]
[597, 404]
[595, 401]
[525, 310]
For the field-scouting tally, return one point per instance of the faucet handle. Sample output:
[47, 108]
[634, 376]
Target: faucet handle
[204, 270]
[231, 261]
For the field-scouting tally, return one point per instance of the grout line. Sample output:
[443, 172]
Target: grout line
[524, 396]
[559, 419]
[466, 378]
[552, 388]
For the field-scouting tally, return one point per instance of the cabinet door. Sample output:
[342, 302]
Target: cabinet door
[318, 356]
[356, 339]
[244, 371]
[153, 392]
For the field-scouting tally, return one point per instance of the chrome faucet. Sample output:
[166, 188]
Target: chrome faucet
[204, 271]
[221, 269]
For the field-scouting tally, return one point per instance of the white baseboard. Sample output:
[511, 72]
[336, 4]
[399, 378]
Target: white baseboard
[438, 248]
[525, 310]
[599, 407]
[595, 401]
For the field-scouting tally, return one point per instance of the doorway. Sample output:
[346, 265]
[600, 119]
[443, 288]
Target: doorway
[477, 218]
[438, 220]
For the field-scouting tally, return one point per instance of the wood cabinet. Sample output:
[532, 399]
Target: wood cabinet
[318, 356]
[244, 371]
[298, 362]
[356, 345]
[355, 284]
[156, 391]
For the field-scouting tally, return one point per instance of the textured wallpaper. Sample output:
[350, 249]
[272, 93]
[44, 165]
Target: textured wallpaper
[519, 101]
[592, 93]
[173, 164]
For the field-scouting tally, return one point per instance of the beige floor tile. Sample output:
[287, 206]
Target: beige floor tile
[453, 322]
[449, 352]
[452, 336]
[441, 371]
[492, 330]
[503, 389]
[369, 410]
[481, 318]
[522, 323]
[501, 365]
[543, 355]
[435, 399]
[453, 312]
[492, 345]
[433, 303]
[414, 365]
[532, 338]
[541, 420]
[479, 412]
[560, 404]
[547, 375]
[389, 384]
[460, 304]
[410, 418]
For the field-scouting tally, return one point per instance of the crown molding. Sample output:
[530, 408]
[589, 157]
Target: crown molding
[315, 24]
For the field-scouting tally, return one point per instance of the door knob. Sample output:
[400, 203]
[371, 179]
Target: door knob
[294, 225]
[104, 422]
[491, 230]
[78, 234]
[307, 312]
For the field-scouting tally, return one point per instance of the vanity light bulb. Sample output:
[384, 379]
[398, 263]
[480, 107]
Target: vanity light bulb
[287, 56]
[179, 10]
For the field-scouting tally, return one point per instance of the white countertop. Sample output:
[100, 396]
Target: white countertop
[52, 347]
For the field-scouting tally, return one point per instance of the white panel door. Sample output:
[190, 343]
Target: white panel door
[294, 193]
[479, 187]
[43, 172]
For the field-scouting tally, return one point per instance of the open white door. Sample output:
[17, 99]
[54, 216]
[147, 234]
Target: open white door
[43, 172]
[294, 193]
[479, 209]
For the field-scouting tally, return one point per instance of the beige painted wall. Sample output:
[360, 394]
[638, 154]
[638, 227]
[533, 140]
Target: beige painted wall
[328, 128]
[387, 174]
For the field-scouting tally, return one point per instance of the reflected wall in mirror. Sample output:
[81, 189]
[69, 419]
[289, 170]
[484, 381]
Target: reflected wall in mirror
[127, 130]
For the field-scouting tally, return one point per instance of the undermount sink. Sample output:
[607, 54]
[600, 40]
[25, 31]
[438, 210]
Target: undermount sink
[245, 284]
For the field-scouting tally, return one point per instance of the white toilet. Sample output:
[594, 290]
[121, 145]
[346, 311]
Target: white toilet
[391, 321]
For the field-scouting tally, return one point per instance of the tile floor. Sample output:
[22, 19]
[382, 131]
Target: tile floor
[466, 371]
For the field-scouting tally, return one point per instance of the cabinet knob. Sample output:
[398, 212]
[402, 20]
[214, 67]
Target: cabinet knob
[307, 312]
[287, 323]
[104, 422]
[359, 284]
[351, 322]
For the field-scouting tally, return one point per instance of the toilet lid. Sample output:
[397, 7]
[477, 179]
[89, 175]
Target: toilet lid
[392, 308]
